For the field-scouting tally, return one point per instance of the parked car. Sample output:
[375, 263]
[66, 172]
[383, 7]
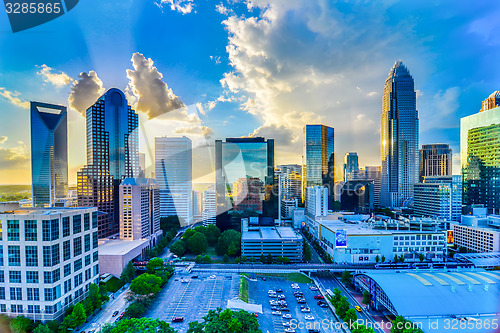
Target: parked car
[289, 330]
[313, 288]
[115, 313]
[276, 313]
[287, 316]
[308, 317]
[177, 319]
[358, 308]
[318, 297]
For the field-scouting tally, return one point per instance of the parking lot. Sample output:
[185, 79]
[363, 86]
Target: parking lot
[192, 298]
[258, 294]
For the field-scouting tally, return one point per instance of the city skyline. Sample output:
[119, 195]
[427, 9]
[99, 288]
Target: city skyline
[212, 75]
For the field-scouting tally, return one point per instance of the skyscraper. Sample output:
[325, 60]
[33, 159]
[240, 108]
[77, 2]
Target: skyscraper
[174, 174]
[248, 158]
[439, 197]
[480, 158]
[435, 160]
[112, 155]
[49, 153]
[399, 138]
[289, 177]
[350, 165]
[319, 158]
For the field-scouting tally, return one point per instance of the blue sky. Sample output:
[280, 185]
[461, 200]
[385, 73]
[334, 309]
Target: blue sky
[260, 67]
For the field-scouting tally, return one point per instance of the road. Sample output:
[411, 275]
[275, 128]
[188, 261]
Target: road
[315, 258]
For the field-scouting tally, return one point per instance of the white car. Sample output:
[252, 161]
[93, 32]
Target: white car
[273, 295]
[286, 324]
[281, 296]
[276, 313]
[271, 292]
[289, 330]
[308, 317]
[287, 316]
[313, 288]
[305, 309]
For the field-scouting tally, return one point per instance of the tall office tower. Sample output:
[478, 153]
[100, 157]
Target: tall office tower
[374, 173]
[439, 197]
[112, 155]
[49, 153]
[197, 204]
[317, 201]
[247, 194]
[209, 206]
[289, 177]
[247, 158]
[480, 158]
[319, 158]
[350, 165]
[399, 138]
[174, 174]
[493, 101]
[139, 209]
[435, 160]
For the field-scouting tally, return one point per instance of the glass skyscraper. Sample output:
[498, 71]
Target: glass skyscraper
[399, 139]
[49, 153]
[350, 165]
[319, 158]
[112, 155]
[480, 158]
[244, 171]
[435, 160]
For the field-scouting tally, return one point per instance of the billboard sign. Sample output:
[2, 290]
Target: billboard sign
[449, 237]
[341, 238]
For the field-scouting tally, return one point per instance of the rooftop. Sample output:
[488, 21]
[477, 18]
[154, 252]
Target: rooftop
[119, 246]
[45, 210]
[270, 233]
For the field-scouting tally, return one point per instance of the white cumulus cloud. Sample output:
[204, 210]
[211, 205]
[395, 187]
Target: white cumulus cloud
[49, 75]
[85, 91]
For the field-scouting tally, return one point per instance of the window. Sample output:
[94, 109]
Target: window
[77, 246]
[16, 294]
[3, 308]
[31, 256]
[13, 230]
[56, 259]
[56, 275]
[66, 250]
[95, 240]
[54, 229]
[78, 264]
[48, 296]
[47, 277]
[49, 308]
[67, 286]
[47, 256]
[86, 221]
[77, 224]
[2, 292]
[96, 270]
[15, 276]
[87, 242]
[78, 280]
[30, 230]
[32, 277]
[66, 229]
[87, 260]
[2, 277]
[94, 220]
[46, 230]
[87, 274]
[33, 294]
[96, 256]
[67, 270]
[14, 255]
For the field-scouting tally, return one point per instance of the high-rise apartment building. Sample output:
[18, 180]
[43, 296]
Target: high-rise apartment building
[319, 158]
[289, 178]
[244, 158]
[49, 153]
[480, 158]
[316, 201]
[50, 259]
[493, 101]
[374, 173]
[435, 160]
[399, 138]
[197, 205]
[112, 155]
[439, 197]
[139, 209]
[174, 174]
[209, 206]
[350, 165]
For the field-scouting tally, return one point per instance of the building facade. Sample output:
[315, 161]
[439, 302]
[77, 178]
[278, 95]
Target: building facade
[209, 207]
[493, 101]
[316, 201]
[350, 165]
[49, 259]
[174, 174]
[435, 160]
[357, 196]
[439, 197]
[480, 159]
[289, 177]
[139, 209]
[399, 138]
[319, 158]
[112, 155]
[49, 153]
[244, 158]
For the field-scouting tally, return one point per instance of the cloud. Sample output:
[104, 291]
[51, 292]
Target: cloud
[200, 109]
[57, 79]
[154, 97]
[279, 133]
[14, 158]
[13, 98]
[196, 130]
[221, 9]
[85, 91]
[181, 6]
[440, 110]
[3, 139]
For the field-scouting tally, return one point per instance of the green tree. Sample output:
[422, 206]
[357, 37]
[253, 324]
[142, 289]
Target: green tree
[402, 258]
[151, 253]
[383, 258]
[377, 259]
[396, 258]
[21, 324]
[146, 284]
[206, 259]
[217, 321]
[201, 229]
[154, 265]
[42, 329]
[229, 243]
[197, 243]
[169, 223]
[269, 258]
[337, 295]
[244, 259]
[143, 325]
[213, 234]
[79, 314]
[94, 297]
[342, 307]
[306, 252]
[262, 258]
[350, 316]
[198, 259]
[178, 248]
[225, 258]
[421, 257]
[362, 329]
[236, 260]
[366, 297]
[128, 273]
[187, 234]
[286, 260]
[346, 278]
[135, 310]
[402, 325]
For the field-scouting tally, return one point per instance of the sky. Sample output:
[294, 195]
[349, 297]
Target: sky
[215, 69]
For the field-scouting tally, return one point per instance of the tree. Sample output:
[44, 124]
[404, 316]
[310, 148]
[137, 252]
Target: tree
[421, 257]
[377, 259]
[262, 258]
[42, 329]
[217, 321]
[286, 260]
[383, 258]
[79, 314]
[201, 229]
[213, 234]
[169, 223]
[402, 325]
[244, 259]
[342, 307]
[151, 253]
[178, 248]
[346, 278]
[146, 284]
[206, 259]
[154, 265]
[236, 260]
[362, 329]
[21, 324]
[143, 325]
[198, 259]
[197, 243]
[366, 297]
[128, 273]
[337, 295]
[350, 316]
[225, 258]
[135, 310]
[306, 252]
[229, 243]
[402, 258]
[94, 297]
[187, 234]
[269, 258]
[396, 258]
